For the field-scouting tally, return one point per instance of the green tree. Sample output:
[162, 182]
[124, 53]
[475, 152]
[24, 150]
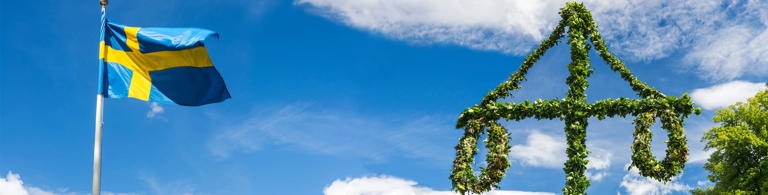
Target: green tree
[739, 164]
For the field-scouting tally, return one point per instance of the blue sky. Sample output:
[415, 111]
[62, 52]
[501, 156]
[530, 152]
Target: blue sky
[347, 96]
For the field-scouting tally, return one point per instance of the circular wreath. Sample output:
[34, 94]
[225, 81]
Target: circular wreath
[497, 144]
[677, 150]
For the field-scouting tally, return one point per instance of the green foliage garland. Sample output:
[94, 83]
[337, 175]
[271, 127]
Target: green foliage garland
[484, 118]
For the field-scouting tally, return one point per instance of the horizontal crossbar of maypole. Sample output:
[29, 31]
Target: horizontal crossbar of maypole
[553, 109]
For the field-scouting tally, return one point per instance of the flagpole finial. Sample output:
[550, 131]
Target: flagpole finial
[103, 2]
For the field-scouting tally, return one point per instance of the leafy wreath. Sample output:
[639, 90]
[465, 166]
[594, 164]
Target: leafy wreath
[484, 118]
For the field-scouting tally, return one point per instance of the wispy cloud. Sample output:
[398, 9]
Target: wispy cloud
[695, 127]
[725, 94]
[635, 184]
[154, 110]
[385, 185]
[721, 39]
[732, 52]
[168, 188]
[336, 132]
[699, 156]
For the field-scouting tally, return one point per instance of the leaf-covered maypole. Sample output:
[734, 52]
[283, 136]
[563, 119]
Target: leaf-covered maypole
[582, 30]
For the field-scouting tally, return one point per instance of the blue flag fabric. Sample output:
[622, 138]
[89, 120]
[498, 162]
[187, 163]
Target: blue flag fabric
[164, 65]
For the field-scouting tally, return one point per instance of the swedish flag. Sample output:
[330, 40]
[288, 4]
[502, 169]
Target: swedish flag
[164, 65]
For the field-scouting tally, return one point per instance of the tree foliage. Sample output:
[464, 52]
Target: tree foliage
[739, 164]
[582, 30]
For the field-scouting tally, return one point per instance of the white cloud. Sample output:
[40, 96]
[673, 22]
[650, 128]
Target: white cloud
[653, 29]
[515, 26]
[154, 110]
[599, 159]
[540, 150]
[596, 176]
[599, 162]
[12, 185]
[635, 184]
[700, 156]
[387, 185]
[334, 132]
[704, 183]
[720, 38]
[732, 52]
[38, 191]
[508, 26]
[725, 94]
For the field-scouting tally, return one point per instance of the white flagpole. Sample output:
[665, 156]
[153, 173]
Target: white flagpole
[99, 124]
[97, 145]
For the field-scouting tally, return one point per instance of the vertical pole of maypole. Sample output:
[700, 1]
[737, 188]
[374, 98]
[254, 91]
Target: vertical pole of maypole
[99, 112]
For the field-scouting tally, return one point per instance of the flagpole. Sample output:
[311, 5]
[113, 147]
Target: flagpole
[97, 145]
[99, 124]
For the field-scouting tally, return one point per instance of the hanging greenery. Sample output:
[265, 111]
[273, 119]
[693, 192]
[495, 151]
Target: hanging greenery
[582, 30]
